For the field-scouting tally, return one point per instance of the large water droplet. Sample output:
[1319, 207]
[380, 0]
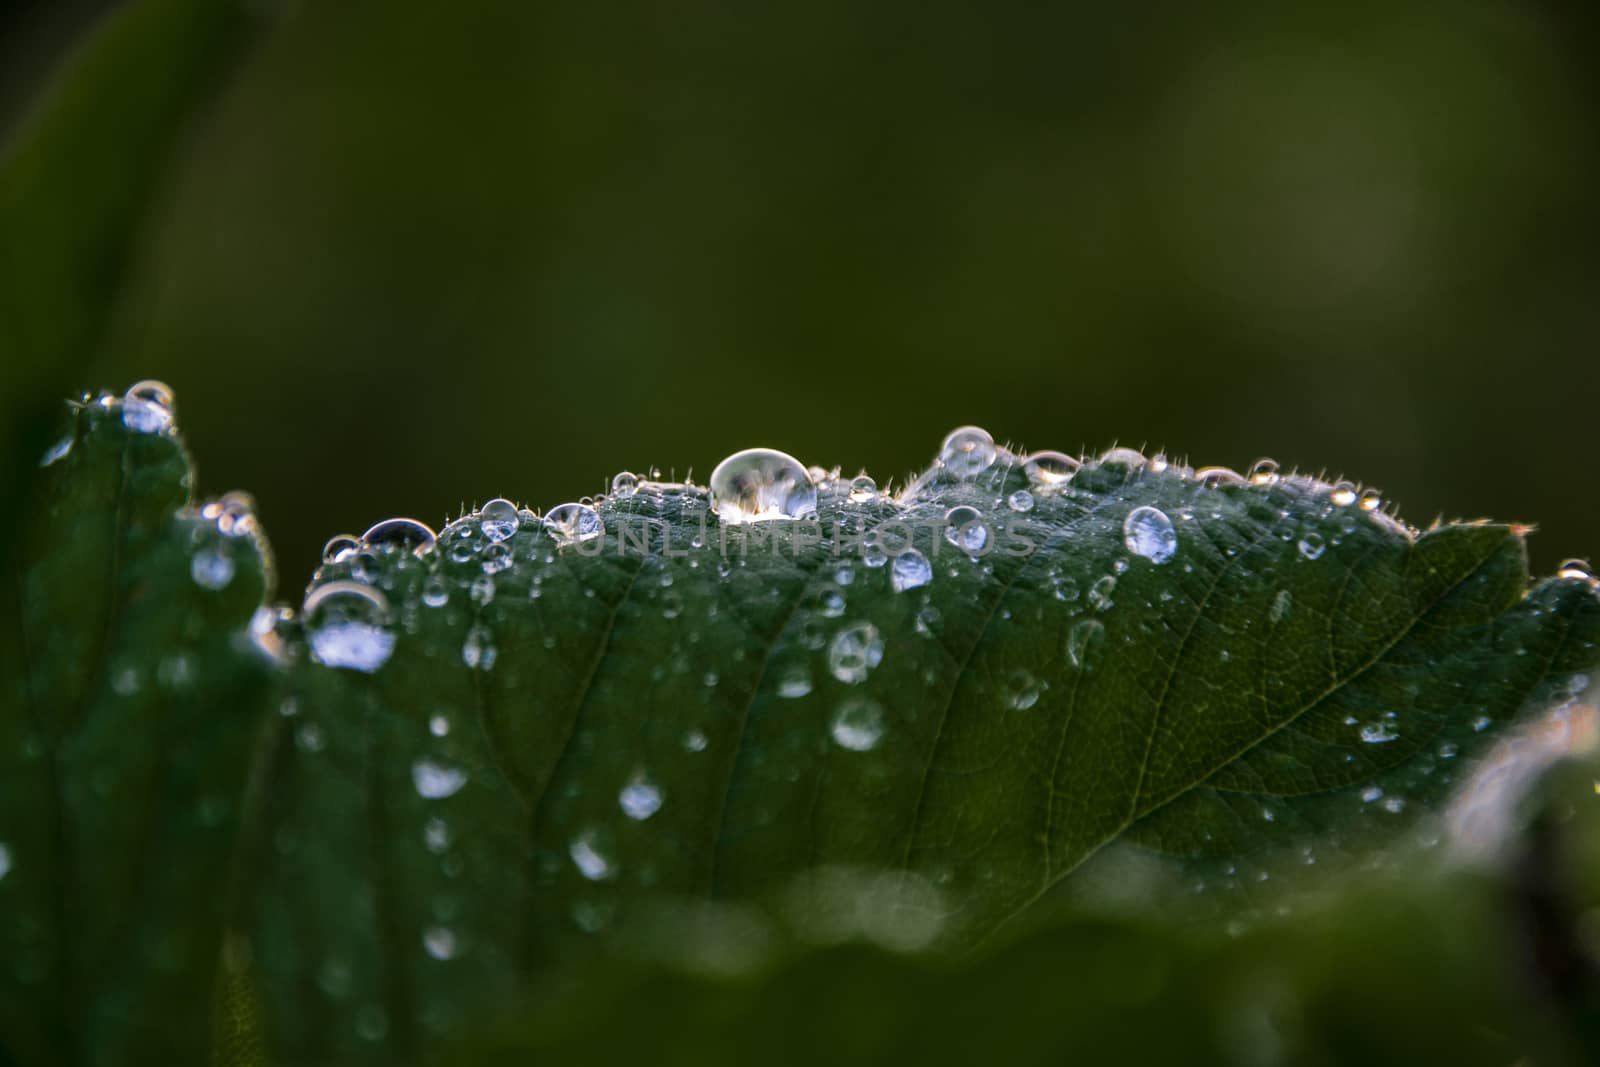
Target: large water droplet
[410, 534]
[1086, 644]
[911, 569]
[570, 523]
[1050, 470]
[1148, 532]
[855, 650]
[858, 725]
[347, 625]
[967, 452]
[147, 407]
[759, 484]
[211, 568]
[435, 781]
[640, 798]
[498, 519]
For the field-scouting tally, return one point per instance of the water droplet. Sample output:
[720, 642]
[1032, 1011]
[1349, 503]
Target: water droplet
[1130, 458]
[795, 683]
[1343, 495]
[1575, 568]
[478, 651]
[211, 569]
[1021, 500]
[640, 798]
[858, 725]
[911, 569]
[1148, 532]
[695, 741]
[570, 523]
[862, 489]
[439, 942]
[1281, 605]
[5, 861]
[1022, 690]
[591, 862]
[1312, 545]
[347, 626]
[436, 835]
[1371, 500]
[1377, 733]
[964, 527]
[1370, 794]
[435, 781]
[1264, 472]
[855, 650]
[967, 452]
[56, 452]
[760, 484]
[340, 547]
[624, 485]
[401, 534]
[435, 591]
[929, 621]
[147, 407]
[439, 725]
[1100, 593]
[498, 519]
[1086, 644]
[1217, 477]
[1050, 470]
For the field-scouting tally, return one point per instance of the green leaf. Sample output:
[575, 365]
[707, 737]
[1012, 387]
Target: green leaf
[569, 735]
[519, 746]
[124, 762]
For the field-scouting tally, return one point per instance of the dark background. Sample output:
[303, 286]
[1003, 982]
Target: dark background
[415, 254]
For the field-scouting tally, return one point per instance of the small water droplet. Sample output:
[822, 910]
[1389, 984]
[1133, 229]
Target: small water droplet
[640, 798]
[439, 942]
[1370, 794]
[435, 591]
[1217, 477]
[1100, 593]
[571, 523]
[624, 485]
[695, 741]
[211, 568]
[147, 407]
[1022, 690]
[1264, 472]
[56, 452]
[967, 452]
[1148, 532]
[478, 651]
[347, 626]
[1378, 733]
[1312, 545]
[588, 857]
[964, 527]
[1575, 568]
[1281, 606]
[439, 725]
[795, 683]
[1086, 644]
[1021, 500]
[1371, 500]
[410, 534]
[761, 484]
[911, 569]
[1343, 495]
[5, 861]
[855, 650]
[436, 835]
[858, 725]
[1050, 470]
[340, 547]
[862, 489]
[498, 519]
[929, 621]
[435, 781]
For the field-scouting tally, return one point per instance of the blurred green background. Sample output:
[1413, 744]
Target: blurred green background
[415, 255]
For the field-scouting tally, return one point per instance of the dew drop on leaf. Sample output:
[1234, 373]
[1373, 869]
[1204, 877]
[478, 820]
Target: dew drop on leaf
[858, 725]
[624, 485]
[570, 523]
[964, 527]
[1282, 604]
[1050, 470]
[347, 626]
[147, 407]
[498, 519]
[1311, 545]
[967, 452]
[1148, 532]
[435, 591]
[340, 547]
[1086, 644]
[1022, 690]
[794, 683]
[760, 484]
[434, 780]
[587, 856]
[640, 798]
[862, 489]
[1020, 501]
[211, 568]
[855, 650]
[439, 942]
[401, 534]
[911, 569]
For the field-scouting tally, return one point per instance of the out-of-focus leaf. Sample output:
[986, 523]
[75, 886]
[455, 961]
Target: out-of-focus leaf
[125, 750]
